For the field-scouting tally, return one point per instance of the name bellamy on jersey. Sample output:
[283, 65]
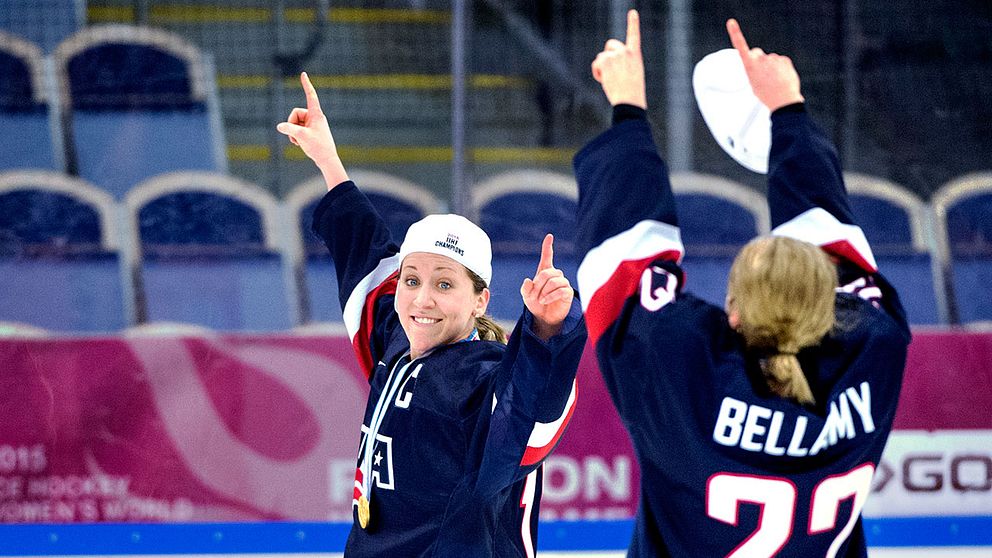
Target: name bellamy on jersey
[760, 429]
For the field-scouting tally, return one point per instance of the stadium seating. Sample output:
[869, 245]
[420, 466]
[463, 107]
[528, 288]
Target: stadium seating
[398, 201]
[716, 218]
[963, 212]
[517, 209]
[43, 22]
[895, 222]
[59, 264]
[140, 102]
[208, 253]
[25, 108]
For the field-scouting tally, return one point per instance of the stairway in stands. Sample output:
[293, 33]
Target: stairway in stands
[383, 76]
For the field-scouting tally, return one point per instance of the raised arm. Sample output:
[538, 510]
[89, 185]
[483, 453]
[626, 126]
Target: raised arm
[806, 194]
[535, 393]
[773, 78]
[358, 240]
[627, 219]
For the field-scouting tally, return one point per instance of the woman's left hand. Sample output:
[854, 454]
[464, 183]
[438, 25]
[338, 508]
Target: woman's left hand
[548, 295]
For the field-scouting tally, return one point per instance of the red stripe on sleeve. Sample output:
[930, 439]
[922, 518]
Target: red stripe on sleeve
[361, 340]
[607, 302]
[534, 455]
[846, 250]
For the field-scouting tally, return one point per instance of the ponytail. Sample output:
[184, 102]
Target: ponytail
[786, 378]
[489, 330]
[783, 292]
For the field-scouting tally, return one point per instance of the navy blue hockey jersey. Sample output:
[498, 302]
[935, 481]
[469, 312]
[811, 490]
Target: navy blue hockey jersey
[454, 467]
[728, 468]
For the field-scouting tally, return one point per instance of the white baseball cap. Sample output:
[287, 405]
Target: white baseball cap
[455, 237]
[739, 122]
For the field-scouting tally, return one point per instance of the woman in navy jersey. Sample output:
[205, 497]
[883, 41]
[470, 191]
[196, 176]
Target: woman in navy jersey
[758, 425]
[458, 421]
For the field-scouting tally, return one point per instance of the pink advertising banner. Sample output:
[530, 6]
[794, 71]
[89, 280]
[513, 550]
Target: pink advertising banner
[255, 428]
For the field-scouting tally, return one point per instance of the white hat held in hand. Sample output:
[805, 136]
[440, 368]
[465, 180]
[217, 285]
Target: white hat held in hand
[740, 123]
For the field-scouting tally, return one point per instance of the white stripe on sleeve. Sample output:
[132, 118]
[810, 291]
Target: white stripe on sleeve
[643, 240]
[818, 226]
[356, 300]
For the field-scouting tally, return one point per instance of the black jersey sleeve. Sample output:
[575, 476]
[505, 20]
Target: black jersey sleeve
[629, 224]
[535, 394]
[808, 201]
[366, 263]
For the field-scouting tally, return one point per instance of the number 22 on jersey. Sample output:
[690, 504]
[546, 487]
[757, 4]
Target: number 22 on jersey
[777, 498]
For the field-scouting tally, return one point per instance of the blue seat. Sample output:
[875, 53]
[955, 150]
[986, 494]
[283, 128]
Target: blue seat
[400, 203]
[140, 105]
[518, 208]
[208, 253]
[963, 209]
[509, 271]
[321, 284]
[59, 264]
[716, 218]
[895, 224]
[711, 224]
[43, 22]
[24, 108]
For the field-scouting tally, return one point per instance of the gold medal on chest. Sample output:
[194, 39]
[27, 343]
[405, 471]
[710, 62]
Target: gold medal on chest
[363, 512]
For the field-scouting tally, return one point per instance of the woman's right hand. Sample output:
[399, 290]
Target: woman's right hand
[620, 67]
[308, 128]
[773, 78]
[548, 295]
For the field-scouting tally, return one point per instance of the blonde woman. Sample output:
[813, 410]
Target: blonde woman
[458, 419]
[757, 426]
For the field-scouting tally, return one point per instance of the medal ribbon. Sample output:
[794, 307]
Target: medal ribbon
[393, 382]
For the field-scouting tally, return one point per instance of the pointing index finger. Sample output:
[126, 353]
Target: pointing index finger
[547, 253]
[633, 31]
[313, 103]
[737, 39]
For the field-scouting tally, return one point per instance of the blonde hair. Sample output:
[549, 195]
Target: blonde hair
[489, 330]
[782, 290]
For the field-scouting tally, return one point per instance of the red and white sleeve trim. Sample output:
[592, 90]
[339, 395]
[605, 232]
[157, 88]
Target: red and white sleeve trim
[545, 435]
[611, 272]
[361, 301]
[818, 226]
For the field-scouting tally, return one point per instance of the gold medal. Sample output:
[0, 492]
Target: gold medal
[363, 512]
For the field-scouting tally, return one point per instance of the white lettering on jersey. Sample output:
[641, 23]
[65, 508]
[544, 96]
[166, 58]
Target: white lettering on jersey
[652, 299]
[759, 429]
[863, 287]
[839, 423]
[862, 404]
[728, 423]
[403, 397]
[796, 448]
[752, 429]
[381, 460]
[774, 429]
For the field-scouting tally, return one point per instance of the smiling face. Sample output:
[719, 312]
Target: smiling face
[436, 301]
